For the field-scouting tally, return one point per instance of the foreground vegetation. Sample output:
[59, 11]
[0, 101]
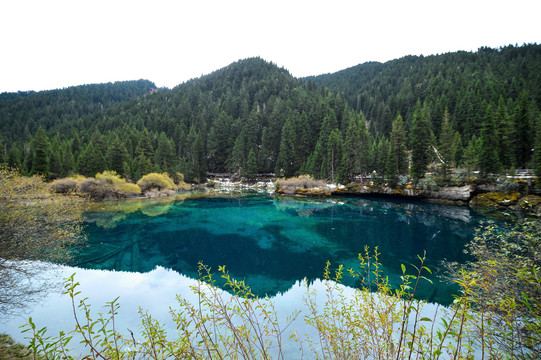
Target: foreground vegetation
[495, 315]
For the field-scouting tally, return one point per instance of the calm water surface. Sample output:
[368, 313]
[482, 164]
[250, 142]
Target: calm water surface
[273, 242]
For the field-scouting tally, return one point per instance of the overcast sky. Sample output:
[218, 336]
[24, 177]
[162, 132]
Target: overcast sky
[54, 44]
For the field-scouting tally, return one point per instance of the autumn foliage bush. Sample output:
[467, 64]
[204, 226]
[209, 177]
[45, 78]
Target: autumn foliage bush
[291, 185]
[156, 181]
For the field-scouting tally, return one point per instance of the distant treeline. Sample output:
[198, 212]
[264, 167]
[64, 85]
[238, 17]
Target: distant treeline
[479, 110]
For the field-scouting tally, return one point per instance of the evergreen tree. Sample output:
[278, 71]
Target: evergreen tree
[523, 138]
[117, 156]
[355, 149]
[287, 157]
[250, 168]
[471, 154]
[489, 161]
[144, 156]
[194, 160]
[75, 145]
[218, 146]
[91, 161]
[3, 150]
[334, 154]
[68, 161]
[315, 160]
[165, 156]
[447, 138]
[420, 141]
[457, 149]
[236, 160]
[398, 148]
[14, 158]
[504, 133]
[537, 152]
[99, 142]
[56, 166]
[40, 153]
[391, 168]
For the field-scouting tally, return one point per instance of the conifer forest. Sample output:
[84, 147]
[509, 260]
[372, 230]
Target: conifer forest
[474, 110]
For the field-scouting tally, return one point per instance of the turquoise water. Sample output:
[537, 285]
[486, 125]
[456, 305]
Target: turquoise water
[271, 242]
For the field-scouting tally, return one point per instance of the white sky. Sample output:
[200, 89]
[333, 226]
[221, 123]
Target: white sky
[54, 44]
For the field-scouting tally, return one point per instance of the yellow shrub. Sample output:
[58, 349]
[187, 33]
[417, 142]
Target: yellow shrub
[128, 189]
[156, 181]
[110, 177]
[78, 178]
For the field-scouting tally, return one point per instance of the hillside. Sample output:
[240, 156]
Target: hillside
[481, 110]
[22, 113]
[463, 82]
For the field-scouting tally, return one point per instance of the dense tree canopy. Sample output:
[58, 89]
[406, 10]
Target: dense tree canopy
[471, 106]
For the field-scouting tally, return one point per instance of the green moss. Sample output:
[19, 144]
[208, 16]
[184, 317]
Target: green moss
[530, 204]
[495, 200]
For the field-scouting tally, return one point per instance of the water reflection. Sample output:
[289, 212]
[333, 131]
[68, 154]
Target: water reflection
[271, 242]
[155, 292]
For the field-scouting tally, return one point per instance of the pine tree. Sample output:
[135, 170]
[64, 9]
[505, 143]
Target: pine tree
[446, 148]
[471, 154]
[398, 148]
[91, 161]
[194, 159]
[165, 155]
[3, 151]
[144, 155]
[40, 153]
[447, 136]
[117, 156]
[523, 138]
[218, 147]
[334, 154]
[457, 149]
[504, 133]
[420, 141]
[286, 162]
[489, 161]
[315, 160]
[537, 152]
[355, 150]
[250, 168]
[237, 157]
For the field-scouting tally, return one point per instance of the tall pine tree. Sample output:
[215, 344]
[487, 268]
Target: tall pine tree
[420, 141]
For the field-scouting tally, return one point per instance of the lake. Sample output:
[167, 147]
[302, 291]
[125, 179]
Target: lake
[148, 251]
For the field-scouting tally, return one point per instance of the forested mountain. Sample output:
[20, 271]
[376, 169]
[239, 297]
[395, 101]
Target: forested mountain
[22, 113]
[481, 110]
[463, 82]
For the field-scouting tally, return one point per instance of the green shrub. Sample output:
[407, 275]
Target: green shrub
[156, 181]
[508, 186]
[427, 183]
